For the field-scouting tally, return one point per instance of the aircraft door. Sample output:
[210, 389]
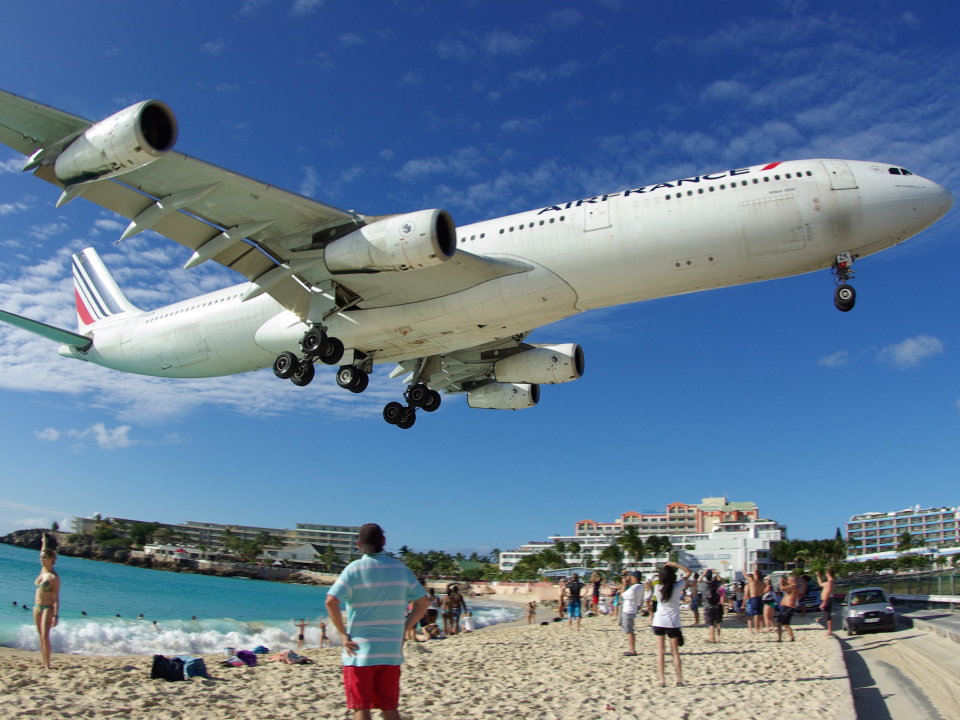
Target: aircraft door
[841, 176]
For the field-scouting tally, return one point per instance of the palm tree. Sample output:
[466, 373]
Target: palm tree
[783, 552]
[612, 556]
[659, 545]
[632, 544]
[574, 549]
[560, 546]
[908, 542]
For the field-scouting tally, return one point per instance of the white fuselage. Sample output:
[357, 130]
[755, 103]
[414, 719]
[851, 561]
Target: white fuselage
[711, 231]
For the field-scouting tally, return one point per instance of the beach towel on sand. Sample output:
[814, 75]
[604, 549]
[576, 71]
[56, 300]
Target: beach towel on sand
[248, 657]
[164, 668]
[194, 666]
[233, 661]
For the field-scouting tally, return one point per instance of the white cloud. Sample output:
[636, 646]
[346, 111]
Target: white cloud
[213, 47]
[838, 359]
[224, 87]
[350, 39]
[12, 165]
[413, 77]
[506, 43]
[308, 186]
[520, 126]
[106, 224]
[911, 351]
[34, 522]
[106, 439]
[461, 162]
[387, 154]
[42, 232]
[49, 434]
[305, 7]
[8, 208]
[251, 7]
[563, 19]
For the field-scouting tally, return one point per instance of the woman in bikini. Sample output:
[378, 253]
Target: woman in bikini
[46, 608]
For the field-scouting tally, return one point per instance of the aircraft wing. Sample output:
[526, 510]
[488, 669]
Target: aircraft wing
[280, 229]
[461, 370]
[49, 332]
[26, 126]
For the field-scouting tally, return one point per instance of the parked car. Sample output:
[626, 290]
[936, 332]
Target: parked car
[867, 609]
[811, 600]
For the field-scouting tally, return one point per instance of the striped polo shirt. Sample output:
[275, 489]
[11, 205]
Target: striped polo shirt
[376, 589]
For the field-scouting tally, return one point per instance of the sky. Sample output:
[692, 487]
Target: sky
[761, 392]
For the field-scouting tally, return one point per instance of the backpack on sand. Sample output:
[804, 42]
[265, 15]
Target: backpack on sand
[170, 669]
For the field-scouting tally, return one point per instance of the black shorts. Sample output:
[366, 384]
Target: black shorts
[827, 613]
[669, 632]
[713, 614]
[785, 614]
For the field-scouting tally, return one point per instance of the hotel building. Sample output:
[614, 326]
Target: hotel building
[876, 534]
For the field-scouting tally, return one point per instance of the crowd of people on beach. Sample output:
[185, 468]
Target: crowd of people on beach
[387, 606]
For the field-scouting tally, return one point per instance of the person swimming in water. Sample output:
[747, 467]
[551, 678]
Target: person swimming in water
[46, 608]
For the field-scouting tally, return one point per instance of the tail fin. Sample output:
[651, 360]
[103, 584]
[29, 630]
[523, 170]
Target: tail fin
[98, 296]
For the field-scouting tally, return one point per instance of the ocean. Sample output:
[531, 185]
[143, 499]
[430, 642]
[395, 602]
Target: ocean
[231, 612]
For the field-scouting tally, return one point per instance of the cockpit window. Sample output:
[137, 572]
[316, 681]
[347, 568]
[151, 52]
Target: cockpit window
[894, 171]
[905, 171]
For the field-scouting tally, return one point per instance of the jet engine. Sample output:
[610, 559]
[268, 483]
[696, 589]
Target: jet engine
[401, 242]
[504, 396]
[127, 140]
[542, 364]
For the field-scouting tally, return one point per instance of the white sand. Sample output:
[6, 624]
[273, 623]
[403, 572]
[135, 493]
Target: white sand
[512, 672]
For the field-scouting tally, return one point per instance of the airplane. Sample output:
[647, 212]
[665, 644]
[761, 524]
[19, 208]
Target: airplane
[452, 307]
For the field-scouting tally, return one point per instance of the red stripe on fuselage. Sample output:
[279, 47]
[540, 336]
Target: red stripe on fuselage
[82, 310]
[771, 166]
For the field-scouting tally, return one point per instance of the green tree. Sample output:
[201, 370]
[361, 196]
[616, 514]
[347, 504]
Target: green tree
[141, 533]
[659, 545]
[122, 527]
[55, 526]
[633, 545]
[574, 549]
[495, 555]
[161, 535]
[231, 541]
[104, 531]
[560, 546]
[612, 556]
[330, 559]
[403, 550]
[907, 542]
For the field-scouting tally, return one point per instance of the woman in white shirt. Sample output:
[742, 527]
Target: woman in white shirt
[666, 620]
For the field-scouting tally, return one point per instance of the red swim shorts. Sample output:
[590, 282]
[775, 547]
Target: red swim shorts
[375, 687]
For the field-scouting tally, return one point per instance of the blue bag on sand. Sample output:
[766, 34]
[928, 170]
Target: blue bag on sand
[194, 666]
[260, 650]
[248, 657]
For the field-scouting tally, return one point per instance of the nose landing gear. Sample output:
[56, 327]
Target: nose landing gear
[844, 297]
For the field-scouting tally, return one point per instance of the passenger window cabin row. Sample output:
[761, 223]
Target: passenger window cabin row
[700, 191]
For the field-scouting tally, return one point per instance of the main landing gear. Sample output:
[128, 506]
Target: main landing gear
[315, 346]
[418, 396]
[844, 297]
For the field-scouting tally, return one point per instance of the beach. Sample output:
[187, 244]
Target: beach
[511, 671]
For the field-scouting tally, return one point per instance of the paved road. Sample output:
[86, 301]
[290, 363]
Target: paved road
[903, 675]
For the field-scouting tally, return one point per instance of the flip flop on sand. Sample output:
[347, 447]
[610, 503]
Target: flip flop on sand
[629, 654]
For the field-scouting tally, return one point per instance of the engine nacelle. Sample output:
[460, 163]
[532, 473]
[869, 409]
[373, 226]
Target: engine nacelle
[402, 242]
[504, 396]
[127, 140]
[542, 364]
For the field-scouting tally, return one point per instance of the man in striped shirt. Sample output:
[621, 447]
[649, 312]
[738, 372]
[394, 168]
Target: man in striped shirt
[376, 589]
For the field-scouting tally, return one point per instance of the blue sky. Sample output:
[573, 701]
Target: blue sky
[762, 392]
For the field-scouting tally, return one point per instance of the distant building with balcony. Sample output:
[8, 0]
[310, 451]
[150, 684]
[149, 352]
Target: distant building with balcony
[677, 518]
[877, 534]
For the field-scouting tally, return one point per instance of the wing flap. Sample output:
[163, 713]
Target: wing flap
[65, 337]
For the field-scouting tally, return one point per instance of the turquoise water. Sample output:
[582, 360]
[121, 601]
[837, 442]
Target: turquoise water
[231, 612]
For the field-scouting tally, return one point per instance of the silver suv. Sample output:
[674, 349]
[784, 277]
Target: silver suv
[866, 609]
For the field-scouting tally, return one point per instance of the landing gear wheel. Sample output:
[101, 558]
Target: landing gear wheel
[313, 341]
[348, 376]
[362, 385]
[845, 297]
[418, 395]
[304, 374]
[285, 365]
[432, 402]
[331, 352]
[393, 412]
[407, 422]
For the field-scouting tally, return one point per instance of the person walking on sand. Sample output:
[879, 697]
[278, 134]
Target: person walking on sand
[596, 580]
[788, 605]
[826, 600]
[455, 606]
[666, 621]
[631, 596]
[376, 589]
[696, 598]
[769, 606]
[803, 583]
[323, 635]
[753, 597]
[572, 591]
[46, 607]
[302, 624]
[561, 589]
[710, 588]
